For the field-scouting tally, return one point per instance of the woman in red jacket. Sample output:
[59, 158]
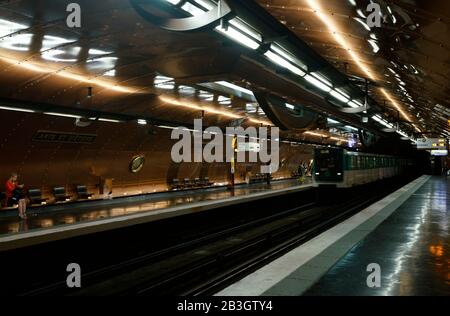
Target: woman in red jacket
[14, 192]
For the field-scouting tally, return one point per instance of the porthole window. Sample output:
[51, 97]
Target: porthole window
[137, 163]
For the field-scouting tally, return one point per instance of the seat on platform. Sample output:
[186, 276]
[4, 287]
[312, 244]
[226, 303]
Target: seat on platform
[187, 183]
[60, 194]
[82, 192]
[175, 184]
[205, 182]
[35, 196]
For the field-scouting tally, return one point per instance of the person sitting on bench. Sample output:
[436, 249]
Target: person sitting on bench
[14, 193]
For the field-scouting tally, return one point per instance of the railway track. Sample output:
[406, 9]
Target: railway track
[205, 265]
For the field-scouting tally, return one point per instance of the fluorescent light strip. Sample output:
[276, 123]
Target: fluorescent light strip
[237, 30]
[242, 26]
[63, 115]
[402, 134]
[167, 127]
[321, 78]
[339, 96]
[234, 87]
[355, 104]
[142, 122]
[333, 121]
[206, 4]
[192, 9]
[56, 114]
[280, 50]
[7, 108]
[109, 120]
[317, 83]
[239, 37]
[382, 121]
[290, 106]
[351, 128]
[280, 61]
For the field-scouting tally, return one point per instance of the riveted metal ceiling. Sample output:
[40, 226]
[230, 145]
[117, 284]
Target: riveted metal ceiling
[408, 55]
[131, 64]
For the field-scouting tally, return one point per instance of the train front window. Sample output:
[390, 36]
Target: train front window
[329, 164]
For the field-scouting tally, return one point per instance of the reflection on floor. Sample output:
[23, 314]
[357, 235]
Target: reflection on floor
[72, 214]
[412, 248]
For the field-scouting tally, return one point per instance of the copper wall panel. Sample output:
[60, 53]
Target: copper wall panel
[45, 164]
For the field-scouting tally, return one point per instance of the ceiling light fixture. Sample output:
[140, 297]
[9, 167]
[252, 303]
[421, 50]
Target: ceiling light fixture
[7, 108]
[318, 83]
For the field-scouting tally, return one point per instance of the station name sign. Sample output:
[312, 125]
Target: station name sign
[432, 144]
[64, 137]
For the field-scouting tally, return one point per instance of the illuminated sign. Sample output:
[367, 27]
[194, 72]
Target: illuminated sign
[442, 153]
[432, 144]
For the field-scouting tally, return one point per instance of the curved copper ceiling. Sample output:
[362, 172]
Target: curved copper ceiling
[121, 57]
[409, 62]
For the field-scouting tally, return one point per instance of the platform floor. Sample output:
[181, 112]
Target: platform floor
[412, 248]
[407, 234]
[60, 215]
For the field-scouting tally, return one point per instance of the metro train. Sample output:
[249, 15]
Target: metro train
[340, 168]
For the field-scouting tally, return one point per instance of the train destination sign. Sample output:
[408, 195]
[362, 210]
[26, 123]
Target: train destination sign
[64, 137]
[440, 153]
[432, 144]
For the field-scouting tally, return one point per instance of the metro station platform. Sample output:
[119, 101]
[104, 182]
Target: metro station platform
[64, 221]
[406, 234]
